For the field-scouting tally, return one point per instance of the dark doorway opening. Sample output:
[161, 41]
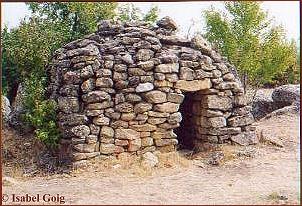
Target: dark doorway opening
[186, 131]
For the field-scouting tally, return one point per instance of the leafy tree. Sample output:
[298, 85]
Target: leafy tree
[250, 41]
[152, 15]
[30, 45]
[27, 49]
[80, 17]
[9, 74]
[278, 64]
[129, 12]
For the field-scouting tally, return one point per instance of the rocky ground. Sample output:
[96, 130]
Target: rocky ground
[267, 173]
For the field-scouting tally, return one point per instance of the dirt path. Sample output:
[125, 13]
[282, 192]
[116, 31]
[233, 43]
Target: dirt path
[271, 177]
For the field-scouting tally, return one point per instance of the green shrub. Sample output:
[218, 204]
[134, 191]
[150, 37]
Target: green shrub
[41, 112]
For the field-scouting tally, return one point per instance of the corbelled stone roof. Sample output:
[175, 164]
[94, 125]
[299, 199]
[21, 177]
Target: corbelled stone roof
[120, 90]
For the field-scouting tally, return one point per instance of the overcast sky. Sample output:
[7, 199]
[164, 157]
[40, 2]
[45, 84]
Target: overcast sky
[284, 12]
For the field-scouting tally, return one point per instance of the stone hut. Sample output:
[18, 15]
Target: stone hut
[134, 88]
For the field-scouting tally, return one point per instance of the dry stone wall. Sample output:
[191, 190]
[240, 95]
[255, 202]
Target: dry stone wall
[120, 90]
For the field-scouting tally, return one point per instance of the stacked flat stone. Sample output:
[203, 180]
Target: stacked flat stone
[120, 88]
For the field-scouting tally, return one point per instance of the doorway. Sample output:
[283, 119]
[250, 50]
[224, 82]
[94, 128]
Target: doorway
[186, 132]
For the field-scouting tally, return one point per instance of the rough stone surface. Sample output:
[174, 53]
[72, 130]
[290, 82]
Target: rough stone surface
[18, 109]
[131, 88]
[107, 148]
[285, 95]
[199, 42]
[267, 101]
[107, 132]
[144, 87]
[262, 104]
[134, 145]
[292, 109]
[101, 120]
[175, 98]
[167, 23]
[6, 109]
[156, 97]
[218, 102]
[85, 148]
[142, 107]
[144, 127]
[81, 131]
[194, 85]
[175, 118]
[150, 159]
[144, 54]
[245, 138]
[241, 120]
[267, 136]
[68, 104]
[167, 107]
[167, 68]
[129, 134]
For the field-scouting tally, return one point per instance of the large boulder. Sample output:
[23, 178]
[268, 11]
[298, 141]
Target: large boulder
[6, 109]
[286, 95]
[18, 110]
[263, 103]
[292, 109]
[17, 104]
[283, 99]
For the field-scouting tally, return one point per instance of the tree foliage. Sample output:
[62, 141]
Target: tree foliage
[9, 74]
[30, 45]
[152, 15]
[250, 41]
[27, 49]
[129, 12]
[80, 18]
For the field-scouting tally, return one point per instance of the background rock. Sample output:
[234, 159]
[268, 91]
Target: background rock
[285, 95]
[17, 110]
[262, 103]
[6, 109]
[285, 98]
